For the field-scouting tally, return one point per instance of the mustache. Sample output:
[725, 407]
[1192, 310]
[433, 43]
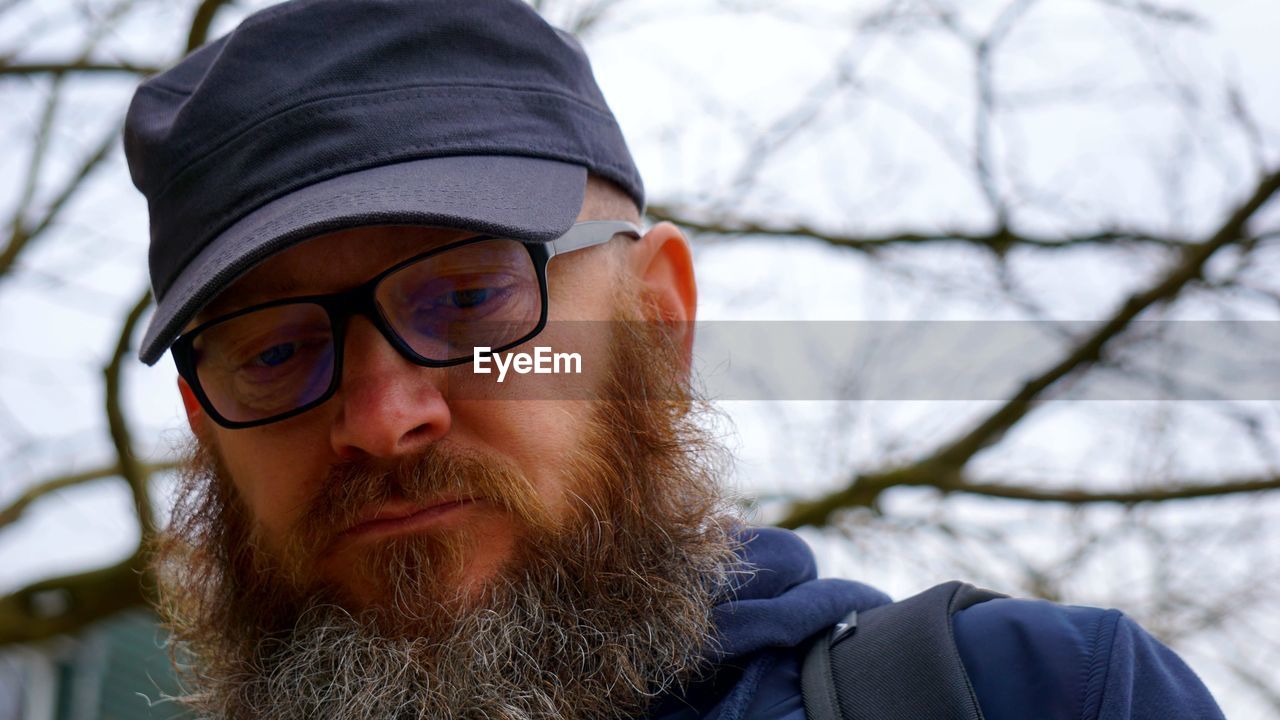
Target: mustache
[353, 488]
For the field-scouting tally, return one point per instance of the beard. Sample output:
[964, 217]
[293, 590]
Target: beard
[594, 615]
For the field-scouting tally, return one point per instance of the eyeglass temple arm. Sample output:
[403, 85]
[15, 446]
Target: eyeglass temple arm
[593, 232]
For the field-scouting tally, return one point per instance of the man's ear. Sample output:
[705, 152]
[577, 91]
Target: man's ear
[196, 417]
[663, 262]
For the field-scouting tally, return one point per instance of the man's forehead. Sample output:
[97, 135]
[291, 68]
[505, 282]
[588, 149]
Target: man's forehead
[328, 263]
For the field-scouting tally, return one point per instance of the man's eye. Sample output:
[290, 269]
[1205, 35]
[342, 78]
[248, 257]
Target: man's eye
[275, 355]
[468, 298]
[458, 302]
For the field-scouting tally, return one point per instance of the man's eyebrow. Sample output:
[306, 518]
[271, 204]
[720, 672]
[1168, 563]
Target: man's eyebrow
[282, 287]
[274, 289]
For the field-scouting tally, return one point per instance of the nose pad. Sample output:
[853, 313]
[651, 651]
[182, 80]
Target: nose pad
[389, 406]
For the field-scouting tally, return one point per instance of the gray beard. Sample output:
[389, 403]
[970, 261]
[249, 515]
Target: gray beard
[594, 619]
[572, 638]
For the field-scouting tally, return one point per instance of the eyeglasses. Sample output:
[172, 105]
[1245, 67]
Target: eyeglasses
[272, 361]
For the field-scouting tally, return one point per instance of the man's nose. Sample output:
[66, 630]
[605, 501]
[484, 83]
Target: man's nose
[389, 406]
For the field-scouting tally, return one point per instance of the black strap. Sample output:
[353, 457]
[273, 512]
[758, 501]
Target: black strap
[894, 662]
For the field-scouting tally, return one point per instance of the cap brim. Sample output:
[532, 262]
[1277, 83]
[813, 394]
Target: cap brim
[524, 198]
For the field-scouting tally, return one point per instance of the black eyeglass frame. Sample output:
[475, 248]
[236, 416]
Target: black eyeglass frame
[361, 300]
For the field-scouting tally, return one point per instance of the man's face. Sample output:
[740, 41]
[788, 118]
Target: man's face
[388, 409]
[428, 504]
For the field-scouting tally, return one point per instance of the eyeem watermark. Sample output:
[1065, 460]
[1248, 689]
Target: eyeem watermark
[542, 361]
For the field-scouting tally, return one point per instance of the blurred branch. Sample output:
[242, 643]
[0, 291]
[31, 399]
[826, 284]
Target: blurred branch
[1193, 261]
[1159, 13]
[134, 472]
[984, 80]
[577, 18]
[1244, 119]
[15, 509]
[785, 128]
[102, 26]
[23, 234]
[1257, 682]
[66, 604]
[60, 69]
[1174, 491]
[202, 21]
[866, 490]
[944, 469]
[590, 16]
[998, 241]
[18, 232]
[22, 231]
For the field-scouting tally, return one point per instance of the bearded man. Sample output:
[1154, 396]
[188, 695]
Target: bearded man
[356, 204]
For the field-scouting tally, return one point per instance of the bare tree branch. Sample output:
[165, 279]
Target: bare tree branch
[133, 471]
[1160, 13]
[202, 21]
[10, 514]
[944, 468]
[23, 232]
[1164, 493]
[66, 604]
[23, 235]
[590, 16]
[1194, 258]
[785, 128]
[15, 509]
[78, 66]
[866, 490]
[101, 26]
[1244, 118]
[1257, 682]
[984, 80]
[39, 148]
[999, 241]
[7, 5]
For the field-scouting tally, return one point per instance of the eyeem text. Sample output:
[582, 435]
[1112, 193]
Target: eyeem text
[542, 361]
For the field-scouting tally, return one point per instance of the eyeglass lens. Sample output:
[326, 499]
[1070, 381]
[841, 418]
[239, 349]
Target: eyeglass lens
[271, 361]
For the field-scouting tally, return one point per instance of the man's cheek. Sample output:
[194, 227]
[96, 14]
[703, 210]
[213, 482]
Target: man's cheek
[568, 361]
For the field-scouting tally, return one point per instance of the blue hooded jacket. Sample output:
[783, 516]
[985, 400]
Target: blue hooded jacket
[1027, 659]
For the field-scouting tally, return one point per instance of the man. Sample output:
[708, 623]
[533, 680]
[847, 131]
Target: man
[361, 212]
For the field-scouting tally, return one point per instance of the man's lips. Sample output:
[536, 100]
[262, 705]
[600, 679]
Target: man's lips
[393, 518]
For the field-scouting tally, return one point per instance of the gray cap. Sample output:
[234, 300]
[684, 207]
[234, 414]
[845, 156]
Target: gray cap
[318, 115]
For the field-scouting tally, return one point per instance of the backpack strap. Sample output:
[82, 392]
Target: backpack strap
[894, 662]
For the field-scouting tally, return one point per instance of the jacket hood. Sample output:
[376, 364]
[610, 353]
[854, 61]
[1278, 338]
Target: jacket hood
[781, 601]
